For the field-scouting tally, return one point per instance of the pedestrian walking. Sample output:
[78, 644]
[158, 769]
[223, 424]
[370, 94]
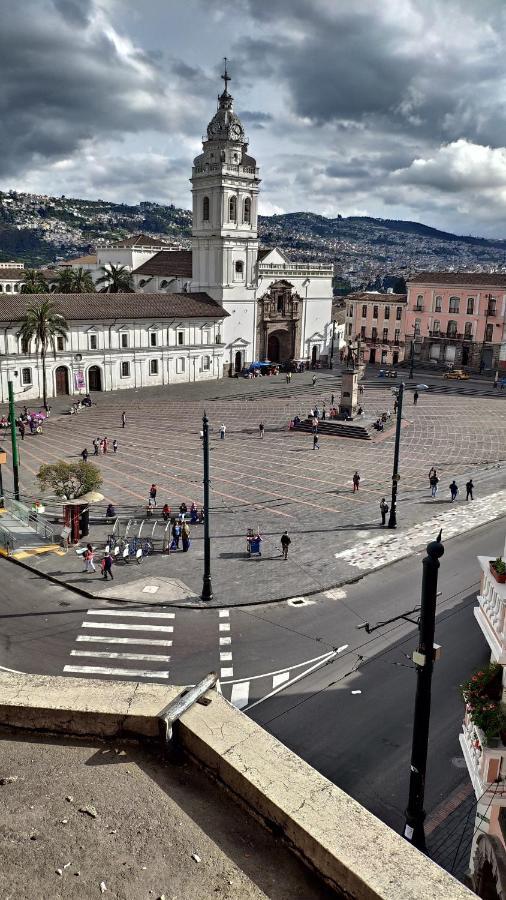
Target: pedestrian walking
[314, 380]
[185, 535]
[361, 389]
[433, 481]
[105, 445]
[123, 419]
[469, 489]
[106, 566]
[324, 413]
[396, 405]
[115, 446]
[22, 430]
[84, 455]
[261, 430]
[383, 510]
[356, 481]
[96, 445]
[176, 534]
[316, 443]
[285, 543]
[496, 380]
[152, 495]
[223, 429]
[454, 490]
[415, 398]
[89, 565]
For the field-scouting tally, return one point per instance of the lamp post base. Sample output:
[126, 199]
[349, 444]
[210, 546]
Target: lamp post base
[207, 589]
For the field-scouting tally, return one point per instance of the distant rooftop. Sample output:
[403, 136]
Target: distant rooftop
[140, 240]
[14, 274]
[377, 297]
[89, 260]
[169, 263]
[93, 307]
[497, 279]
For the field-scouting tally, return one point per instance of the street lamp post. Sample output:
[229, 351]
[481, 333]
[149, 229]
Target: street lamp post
[412, 355]
[488, 298]
[414, 830]
[332, 345]
[392, 519]
[207, 588]
[14, 441]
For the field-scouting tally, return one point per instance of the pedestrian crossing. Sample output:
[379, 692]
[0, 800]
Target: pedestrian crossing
[105, 631]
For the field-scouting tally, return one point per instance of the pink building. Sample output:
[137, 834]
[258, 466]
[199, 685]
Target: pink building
[378, 322]
[457, 318]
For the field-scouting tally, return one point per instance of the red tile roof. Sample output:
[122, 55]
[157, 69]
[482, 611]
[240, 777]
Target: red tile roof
[169, 263]
[97, 307]
[371, 297]
[12, 274]
[496, 279]
[140, 240]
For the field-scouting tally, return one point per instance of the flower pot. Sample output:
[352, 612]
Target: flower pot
[500, 578]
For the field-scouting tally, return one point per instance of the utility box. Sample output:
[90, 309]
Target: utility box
[349, 392]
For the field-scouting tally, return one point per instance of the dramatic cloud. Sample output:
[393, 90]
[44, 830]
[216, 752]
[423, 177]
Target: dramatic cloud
[394, 109]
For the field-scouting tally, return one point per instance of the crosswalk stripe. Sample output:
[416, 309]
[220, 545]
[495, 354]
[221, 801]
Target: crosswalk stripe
[226, 657]
[227, 673]
[101, 639]
[280, 679]
[131, 612]
[224, 641]
[104, 654]
[223, 614]
[240, 694]
[224, 626]
[103, 670]
[120, 627]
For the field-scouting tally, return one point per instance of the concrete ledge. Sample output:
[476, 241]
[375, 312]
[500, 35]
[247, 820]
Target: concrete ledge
[349, 848]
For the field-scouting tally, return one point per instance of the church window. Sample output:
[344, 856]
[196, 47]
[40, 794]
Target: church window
[387, 312]
[180, 365]
[205, 209]
[247, 211]
[206, 363]
[25, 345]
[93, 341]
[364, 311]
[153, 367]
[26, 376]
[124, 339]
[239, 268]
[60, 344]
[232, 209]
[125, 369]
[152, 338]
[180, 337]
[280, 303]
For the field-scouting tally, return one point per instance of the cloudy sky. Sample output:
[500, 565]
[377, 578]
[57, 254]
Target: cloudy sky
[393, 108]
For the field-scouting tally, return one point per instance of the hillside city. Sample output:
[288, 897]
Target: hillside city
[42, 230]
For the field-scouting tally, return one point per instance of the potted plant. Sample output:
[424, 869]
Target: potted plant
[498, 569]
[482, 694]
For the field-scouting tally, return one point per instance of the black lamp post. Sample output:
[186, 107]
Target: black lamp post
[412, 355]
[207, 588]
[414, 830]
[392, 519]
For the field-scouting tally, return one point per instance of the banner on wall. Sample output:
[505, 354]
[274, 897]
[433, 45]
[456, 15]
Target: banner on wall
[79, 381]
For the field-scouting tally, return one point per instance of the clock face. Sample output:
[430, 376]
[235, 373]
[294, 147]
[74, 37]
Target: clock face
[236, 131]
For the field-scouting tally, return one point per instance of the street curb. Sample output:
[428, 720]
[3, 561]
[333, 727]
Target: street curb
[205, 605]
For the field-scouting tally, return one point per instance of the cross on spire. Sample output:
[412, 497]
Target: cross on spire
[226, 77]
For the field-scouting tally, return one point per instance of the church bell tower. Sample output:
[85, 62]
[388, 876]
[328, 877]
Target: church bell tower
[225, 187]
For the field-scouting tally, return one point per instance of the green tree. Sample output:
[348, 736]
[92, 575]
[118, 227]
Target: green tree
[73, 281]
[68, 481]
[43, 324]
[116, 280]
[34, 282]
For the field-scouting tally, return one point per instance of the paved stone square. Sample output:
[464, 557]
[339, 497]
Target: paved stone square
[276, 483]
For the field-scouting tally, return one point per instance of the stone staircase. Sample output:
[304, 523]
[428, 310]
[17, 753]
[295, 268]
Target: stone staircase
[335, 428]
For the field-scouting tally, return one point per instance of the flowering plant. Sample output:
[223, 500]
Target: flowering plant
[482, 695]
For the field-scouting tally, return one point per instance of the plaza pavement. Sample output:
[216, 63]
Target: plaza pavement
[276, 483]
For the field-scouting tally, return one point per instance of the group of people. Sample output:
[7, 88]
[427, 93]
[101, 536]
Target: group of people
[105, 564]
[100, 445]
[453, 487]
[31, 420]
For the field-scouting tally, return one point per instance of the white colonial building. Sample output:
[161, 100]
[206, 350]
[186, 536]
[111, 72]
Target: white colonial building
[114, 341]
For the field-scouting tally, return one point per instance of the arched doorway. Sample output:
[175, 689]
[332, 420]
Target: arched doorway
[62, 381]
[238, 361]
[273, 348]
[314, 355]
[94, 378]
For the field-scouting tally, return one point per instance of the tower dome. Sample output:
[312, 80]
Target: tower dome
[225, 124]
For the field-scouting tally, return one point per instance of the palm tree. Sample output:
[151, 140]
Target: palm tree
[73, 281]
[116, 280]
[34, 282]
[43, 324]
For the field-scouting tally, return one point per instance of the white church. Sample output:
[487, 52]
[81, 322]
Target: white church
[207, 312]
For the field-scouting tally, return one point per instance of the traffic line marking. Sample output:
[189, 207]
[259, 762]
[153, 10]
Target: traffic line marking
[224, 626]
[223, 613]
[280, 679]
[240, 694]
[224, 641]
[104, 654]
[225, 657]
[121, 627]
[227, 673]
[131, 612]
[102, 639]
[103, 670]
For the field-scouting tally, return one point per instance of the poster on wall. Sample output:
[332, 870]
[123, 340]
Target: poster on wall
[79, 380]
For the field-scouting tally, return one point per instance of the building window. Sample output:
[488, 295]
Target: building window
[468, 330]
[205, 209]
[8, 288]
[375, 312]
[153, 367]
[124, 340]
[25, 345]
[454, 304]
[489, 333]
[180, 337]
[438, 304]
[125, 369]
[374, 334]
[385, 334]
[491, 306]
[280, 304]
[418, 323]
[362, 331]
[348, 329]
[206, 337]
[398, 313]
[93, 341]
[206, 363]
[470, 306]
[59, 343]
[451, 328]
[364, 311]
[232, 209]
[180, 365]
[239, 268]
[247, 212]
[436, 327]
[26, 376]
[419, 302]
[387, 312]
[397, 335]
[152, 339]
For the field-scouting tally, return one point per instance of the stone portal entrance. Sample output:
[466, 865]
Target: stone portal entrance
[279, 323]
